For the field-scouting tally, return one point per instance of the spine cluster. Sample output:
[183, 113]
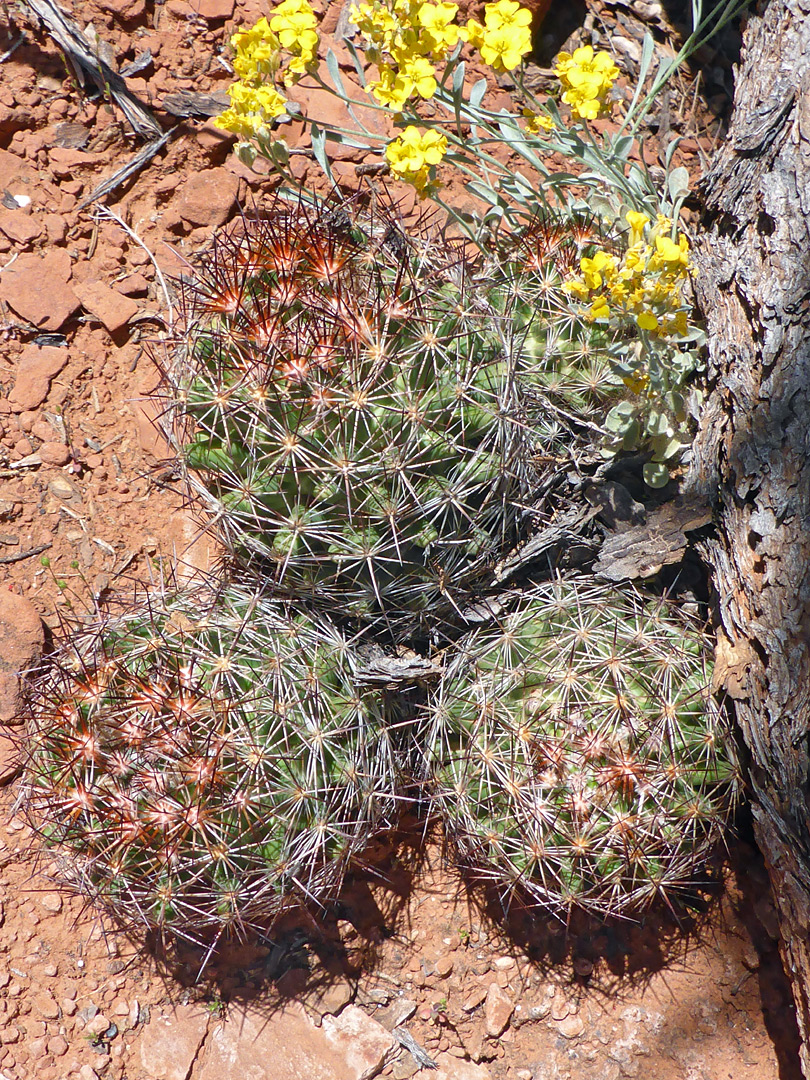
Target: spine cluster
[575, 752]
[207, 759]
[349, 416]
[364, 417]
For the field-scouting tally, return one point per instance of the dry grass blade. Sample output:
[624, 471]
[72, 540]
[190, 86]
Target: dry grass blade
[132, 166]
[86, 62]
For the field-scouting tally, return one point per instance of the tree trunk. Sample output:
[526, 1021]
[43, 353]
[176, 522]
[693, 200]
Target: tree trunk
[752, 455]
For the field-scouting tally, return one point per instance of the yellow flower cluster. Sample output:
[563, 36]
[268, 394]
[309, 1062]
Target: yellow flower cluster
[294, 22]
[505, 37]
[251, 109]
[404, 38]
[260, 54]
[407, 38]
[587, 78]
[645, 284]
[414, 154]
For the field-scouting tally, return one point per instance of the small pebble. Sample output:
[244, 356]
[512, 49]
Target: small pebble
[51, 901]
[58, 1045]
[571, 1026]
[98, 1025]
[54, 453]
[444, 966]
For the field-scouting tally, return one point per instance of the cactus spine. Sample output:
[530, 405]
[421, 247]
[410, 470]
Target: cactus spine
[206, 759]
[351, 417]
[576, 755]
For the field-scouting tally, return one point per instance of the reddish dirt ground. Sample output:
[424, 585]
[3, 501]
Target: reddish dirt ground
[81, 482]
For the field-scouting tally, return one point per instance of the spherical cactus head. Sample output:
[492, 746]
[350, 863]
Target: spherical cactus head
[205, 760]
[350, 416]
[577, 755]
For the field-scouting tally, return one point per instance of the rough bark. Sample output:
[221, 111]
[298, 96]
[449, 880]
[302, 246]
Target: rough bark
[752, 457]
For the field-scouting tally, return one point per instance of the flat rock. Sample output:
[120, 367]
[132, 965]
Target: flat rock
[18, 226]
[65, 161]
[287, 1046]
[498, 1009]
[125, 10]
[11, 759]
[171, 1041]
[37, 366]
[13, 167]
[112, 309]
[208, 197]
[133, 285]
[363, 1043]
[36, 288]
[215, 9]
[331, 112]
[22, 638]
[450, 1068]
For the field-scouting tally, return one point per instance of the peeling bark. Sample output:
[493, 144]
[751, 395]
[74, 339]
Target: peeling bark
[752, 455]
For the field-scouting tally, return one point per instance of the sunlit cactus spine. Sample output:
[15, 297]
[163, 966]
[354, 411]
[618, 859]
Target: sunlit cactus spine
[205, 760]
[562, 358]
[348, 411]
[576, 755]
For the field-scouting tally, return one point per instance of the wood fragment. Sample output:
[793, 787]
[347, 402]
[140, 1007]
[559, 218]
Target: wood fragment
[548, 545]
[396, 672]
[12, 48]
[20, 555]
[642, 551]
[190, 103]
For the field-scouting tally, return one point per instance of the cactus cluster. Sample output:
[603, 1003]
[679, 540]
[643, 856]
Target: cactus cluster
[206, 758]
[365, 418]
[349, 412]
[575, 752]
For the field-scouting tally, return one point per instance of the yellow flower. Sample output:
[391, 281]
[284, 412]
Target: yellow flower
[670, 252]
[636, 383]
[647, 321]
[537, 122]
[505, 37]
[441, 33]
[637, 222]
[677, 324]
[599, 309]
[506, 13]
[419, 74]
[414, 154]
[587, 79]
[257, 51]
[294, 23]
[390, 89]
[503, 49]
[473, 33]
[592, 268]
[577, 288]
[252, 108]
